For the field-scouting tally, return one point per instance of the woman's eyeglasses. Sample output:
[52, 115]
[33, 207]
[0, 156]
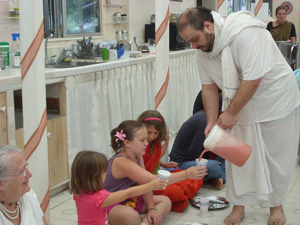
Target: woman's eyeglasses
[24, 173]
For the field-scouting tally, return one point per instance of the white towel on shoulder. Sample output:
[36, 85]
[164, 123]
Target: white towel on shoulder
[225, 32]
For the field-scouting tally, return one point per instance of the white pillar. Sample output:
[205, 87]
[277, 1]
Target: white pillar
[162, 53]
[222, 7]
[33, 97]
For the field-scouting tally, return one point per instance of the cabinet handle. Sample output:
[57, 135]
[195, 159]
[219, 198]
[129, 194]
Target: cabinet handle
[49, 135]
[3, 109]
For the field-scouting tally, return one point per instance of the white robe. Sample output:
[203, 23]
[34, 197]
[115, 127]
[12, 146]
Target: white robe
[30, 211]
[269, 122]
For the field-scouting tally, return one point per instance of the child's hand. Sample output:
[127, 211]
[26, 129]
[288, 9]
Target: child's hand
[159, 184]
[196, 172]
[168, 164]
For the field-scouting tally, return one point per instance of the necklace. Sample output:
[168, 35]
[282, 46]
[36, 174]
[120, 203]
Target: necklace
[6, 203]
[7, 212]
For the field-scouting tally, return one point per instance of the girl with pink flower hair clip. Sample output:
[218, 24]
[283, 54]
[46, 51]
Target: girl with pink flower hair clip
[126, 169]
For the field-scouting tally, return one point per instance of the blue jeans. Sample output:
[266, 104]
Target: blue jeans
[214, 170]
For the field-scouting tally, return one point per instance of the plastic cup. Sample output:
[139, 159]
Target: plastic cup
[163, 174]
[201, 163]
[204, 203]
[105, 54]
[229, 147]
[112, 55]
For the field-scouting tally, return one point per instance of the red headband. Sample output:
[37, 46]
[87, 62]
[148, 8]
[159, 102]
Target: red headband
[153, 118]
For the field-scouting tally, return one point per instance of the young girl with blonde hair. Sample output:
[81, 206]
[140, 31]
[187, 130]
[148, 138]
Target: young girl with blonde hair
[126, 169]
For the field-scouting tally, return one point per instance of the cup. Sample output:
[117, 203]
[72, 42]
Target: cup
[163, 174]
[2, 63]
[204, 203]
[229, 147]
[105, 54]
[112, 55]
[201, 163]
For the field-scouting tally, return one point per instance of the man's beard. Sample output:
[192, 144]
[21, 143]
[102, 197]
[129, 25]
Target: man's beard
[210, 38]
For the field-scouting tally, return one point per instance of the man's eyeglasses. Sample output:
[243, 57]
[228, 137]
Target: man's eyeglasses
[24, 173]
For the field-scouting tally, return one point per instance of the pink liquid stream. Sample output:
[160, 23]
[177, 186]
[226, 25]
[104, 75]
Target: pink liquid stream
[200, 157]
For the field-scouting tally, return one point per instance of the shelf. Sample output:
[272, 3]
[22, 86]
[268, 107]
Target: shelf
[10, 17]
[115, 22]
[115, 5]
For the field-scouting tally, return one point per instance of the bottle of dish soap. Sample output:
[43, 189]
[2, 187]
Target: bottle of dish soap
[15, 57]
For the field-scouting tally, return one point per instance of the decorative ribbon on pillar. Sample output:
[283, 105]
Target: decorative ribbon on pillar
[158, 35]
[32, 51]
[36, 137]
[220, 2]
[257, 7]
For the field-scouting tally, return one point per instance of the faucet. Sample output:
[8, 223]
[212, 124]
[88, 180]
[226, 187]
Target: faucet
[63, 55]
[46, 52]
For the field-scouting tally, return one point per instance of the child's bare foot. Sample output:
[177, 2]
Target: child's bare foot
[218, 183]
[235, 216]
[277, 216]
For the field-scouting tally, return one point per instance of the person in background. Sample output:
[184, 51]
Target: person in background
[88, 173]
[126, 168]
[260, 104]
[18, 202]
[188, 146]
[157, 133]
[282, 30]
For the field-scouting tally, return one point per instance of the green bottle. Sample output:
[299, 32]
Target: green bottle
[4, 51]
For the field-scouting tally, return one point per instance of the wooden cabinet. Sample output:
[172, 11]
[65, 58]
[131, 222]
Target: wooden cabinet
[3, 120]
[57, 151]
[57, 136]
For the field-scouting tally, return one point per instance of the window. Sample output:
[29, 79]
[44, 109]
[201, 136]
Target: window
[72, 17]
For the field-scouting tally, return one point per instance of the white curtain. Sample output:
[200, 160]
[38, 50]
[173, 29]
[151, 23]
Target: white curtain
[98, 102]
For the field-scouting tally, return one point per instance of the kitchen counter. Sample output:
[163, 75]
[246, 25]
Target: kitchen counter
[11, 77]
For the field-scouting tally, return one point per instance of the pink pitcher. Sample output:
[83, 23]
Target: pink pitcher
[229, 147]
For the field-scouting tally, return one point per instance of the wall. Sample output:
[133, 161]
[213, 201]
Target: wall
[139, 16]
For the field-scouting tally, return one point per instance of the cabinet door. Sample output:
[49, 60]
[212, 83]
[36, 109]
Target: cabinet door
[57, 151]
[3, 120]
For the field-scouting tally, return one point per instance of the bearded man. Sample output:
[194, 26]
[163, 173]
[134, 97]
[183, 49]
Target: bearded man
[260, 104]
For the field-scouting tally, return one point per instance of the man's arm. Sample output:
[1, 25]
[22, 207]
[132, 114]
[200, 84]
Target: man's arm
[246, 91]
[210, 98]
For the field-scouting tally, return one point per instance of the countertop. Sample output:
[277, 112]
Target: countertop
[10, 78]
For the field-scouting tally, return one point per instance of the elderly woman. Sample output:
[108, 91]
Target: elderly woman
[281, 29]
[18, 204]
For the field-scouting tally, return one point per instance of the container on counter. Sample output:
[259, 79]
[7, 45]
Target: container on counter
[15, 57]
[2, 63]
[119, 35]
[117, 18]
[125, 35]
[4, 51]
[124, 18]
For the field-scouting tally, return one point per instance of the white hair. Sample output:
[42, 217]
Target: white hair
[6, 153]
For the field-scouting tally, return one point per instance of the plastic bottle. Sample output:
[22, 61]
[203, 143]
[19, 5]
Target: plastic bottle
[4, 52]
[15, 57]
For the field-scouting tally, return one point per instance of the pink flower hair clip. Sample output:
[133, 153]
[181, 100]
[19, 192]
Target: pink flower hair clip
[120, 136]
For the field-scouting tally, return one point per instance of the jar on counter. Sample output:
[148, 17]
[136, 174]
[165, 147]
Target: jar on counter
[117, 18]
[125, 35]
[119, 35]
[124, 18]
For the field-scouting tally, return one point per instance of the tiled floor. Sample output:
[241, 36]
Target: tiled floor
[63, 210]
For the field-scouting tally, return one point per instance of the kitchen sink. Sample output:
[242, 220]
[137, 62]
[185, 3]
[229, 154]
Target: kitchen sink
[71, 64]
